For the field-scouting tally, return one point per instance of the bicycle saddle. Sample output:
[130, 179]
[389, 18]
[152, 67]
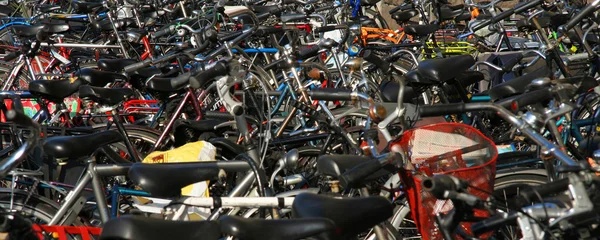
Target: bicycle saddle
[105, 96]
[350, 215]
[453, 12]
[364, 21]
[131, 227]
[285, 18]
[289, 229]
[335, 165]
[441, 70]
[31, 31]
[405, 16]
[173, 84]
[369, 2]
[115, 65]
[517, 85]
[85, 7]
[99, 78]
[389, 91]
[55, 90]
[46, 8]
[420, 30]
[166, 179]
[75, 147]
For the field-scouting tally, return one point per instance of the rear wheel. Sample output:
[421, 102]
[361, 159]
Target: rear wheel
[34, 207]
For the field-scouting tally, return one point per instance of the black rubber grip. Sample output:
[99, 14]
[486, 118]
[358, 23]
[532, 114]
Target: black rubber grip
[308, 52]
[11, 56]
[19, 118]
[265, 30]
[493, 223]
[443, 109]
[218, 115]
[508, 65]
[200, 79]
[533, 193]
[503, 15]
[588, 10]
[353, 177]
[371, 57]
[532, 97]
[136, 66]
[526, 6]
[289, 1]
[330, 94]
[393, 10]
[329, 28]
[481, 25]
[263, 16]
[163, 32]
[439, 184]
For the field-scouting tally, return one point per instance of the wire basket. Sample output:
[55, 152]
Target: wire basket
[446, 148]
[66, 232]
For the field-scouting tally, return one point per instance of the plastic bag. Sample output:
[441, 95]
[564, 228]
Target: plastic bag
[200, 151]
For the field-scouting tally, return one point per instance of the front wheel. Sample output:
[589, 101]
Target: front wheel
[508, 184]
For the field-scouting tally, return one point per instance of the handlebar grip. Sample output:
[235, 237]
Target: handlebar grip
[393, 10]
[19, 118]
[218, 115]
[329, 28]
[442, 109]
[528, 195]
[136, 66]
[481, 25]
[325, 29]
[11, 56]
[265, 30]
[352, 177]
[163, 32]
[580, 16]
[526, 6]
[262, 17]
[438, 185]
[219, 69]
[373, 58]
[308, 52]
[330, 94]
[503, 15]
[510, 63]
[288, 1]
[493, 223]
[532, 97]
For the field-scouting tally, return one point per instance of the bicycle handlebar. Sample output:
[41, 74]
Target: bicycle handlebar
[18, 156]
[580, 16]
[448, 109]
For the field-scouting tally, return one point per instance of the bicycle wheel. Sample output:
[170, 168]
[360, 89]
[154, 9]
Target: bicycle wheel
[37, 208]
[142, 138]
[508, 183]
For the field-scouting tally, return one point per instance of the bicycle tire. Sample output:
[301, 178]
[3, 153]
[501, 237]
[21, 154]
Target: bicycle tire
[39, 207]
[509, 178]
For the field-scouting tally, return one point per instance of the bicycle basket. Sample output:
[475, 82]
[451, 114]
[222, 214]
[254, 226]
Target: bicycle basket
[446, 148]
